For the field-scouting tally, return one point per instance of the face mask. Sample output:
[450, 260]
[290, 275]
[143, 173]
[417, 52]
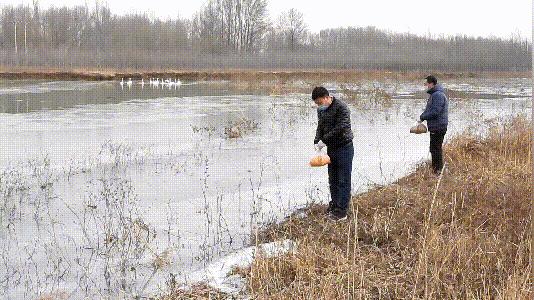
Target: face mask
[322, 107]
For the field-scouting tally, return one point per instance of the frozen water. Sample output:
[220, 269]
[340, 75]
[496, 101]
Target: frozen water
[187, 192]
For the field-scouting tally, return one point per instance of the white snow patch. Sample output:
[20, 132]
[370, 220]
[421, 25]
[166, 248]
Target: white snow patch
[217, 274]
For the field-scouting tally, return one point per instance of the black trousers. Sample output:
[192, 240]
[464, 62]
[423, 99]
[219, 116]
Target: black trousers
[436, 149]
[339, 175]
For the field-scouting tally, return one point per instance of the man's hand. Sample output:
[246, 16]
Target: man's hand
[320, 145]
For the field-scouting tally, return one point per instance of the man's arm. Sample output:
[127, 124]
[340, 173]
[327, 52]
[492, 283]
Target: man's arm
[319, 131]
[342, 122]
[433, 107]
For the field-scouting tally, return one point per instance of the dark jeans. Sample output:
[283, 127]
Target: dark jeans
[339, 173]
[436, 149]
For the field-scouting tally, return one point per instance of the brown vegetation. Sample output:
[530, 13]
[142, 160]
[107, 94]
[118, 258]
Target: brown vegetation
[252, 77]
[199, 291]
[462, 236]
[238, 128]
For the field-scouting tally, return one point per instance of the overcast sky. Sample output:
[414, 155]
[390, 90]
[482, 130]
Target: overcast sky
[472, 17]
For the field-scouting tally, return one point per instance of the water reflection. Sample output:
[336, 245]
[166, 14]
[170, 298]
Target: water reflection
[28, 96]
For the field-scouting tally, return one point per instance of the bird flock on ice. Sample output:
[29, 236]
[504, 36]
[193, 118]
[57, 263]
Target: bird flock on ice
[153, 82]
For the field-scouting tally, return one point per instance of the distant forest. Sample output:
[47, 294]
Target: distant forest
[235, 34]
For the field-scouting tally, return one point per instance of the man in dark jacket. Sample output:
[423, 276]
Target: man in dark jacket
[334, 131]
[437, 116]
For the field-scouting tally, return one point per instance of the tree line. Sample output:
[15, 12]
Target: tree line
[234, 34]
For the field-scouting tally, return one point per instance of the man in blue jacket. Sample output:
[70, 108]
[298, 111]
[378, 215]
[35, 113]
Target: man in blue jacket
[437, 116]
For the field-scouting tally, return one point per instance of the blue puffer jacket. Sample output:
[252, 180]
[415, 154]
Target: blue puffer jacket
[437, 110]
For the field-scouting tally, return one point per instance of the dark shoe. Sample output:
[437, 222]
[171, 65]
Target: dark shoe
[437, 173]
[330, 208]
[337, 215]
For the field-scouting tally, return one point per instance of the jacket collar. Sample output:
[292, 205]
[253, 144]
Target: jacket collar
[437, 88]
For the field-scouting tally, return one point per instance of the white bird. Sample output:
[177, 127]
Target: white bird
[122, 83]
[178, 82]
[129, 83]
[156, 82]
[142, 83]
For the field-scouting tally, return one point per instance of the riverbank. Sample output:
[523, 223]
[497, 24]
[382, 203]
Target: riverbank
[464, 235]
[271, 82]
[237, 74]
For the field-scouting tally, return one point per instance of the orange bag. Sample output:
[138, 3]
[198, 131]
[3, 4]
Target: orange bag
[418, 129]
[319, 160]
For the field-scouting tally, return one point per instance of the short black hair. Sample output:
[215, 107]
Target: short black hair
[319, 92]
[431, 79]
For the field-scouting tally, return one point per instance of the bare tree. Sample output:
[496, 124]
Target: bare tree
[225, 26]
[235, 34]
[294, 28]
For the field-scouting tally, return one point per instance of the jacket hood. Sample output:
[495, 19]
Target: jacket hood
[437, 88]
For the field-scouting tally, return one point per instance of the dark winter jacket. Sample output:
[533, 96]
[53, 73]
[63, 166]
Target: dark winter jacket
[334, 127]
[437, 110]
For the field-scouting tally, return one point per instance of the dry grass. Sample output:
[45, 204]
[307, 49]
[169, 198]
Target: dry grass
[199, 291]
[464, 238]
[240, 127]
[365, 98]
